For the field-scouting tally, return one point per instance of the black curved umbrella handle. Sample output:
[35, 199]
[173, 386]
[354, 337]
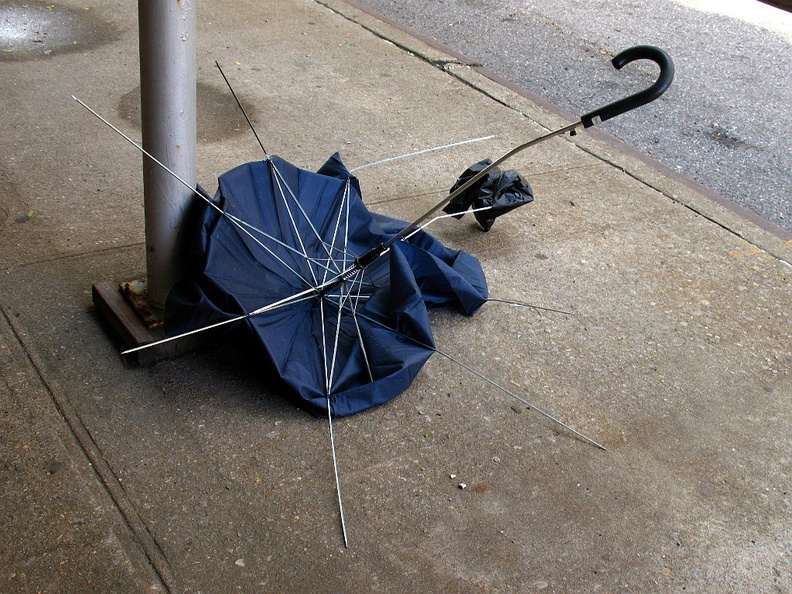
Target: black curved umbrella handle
[639, 52]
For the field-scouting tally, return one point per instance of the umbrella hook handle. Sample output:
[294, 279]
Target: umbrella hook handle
[638, 52]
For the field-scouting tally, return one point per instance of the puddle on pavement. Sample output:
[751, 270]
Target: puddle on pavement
[218, 114]
[34, 30]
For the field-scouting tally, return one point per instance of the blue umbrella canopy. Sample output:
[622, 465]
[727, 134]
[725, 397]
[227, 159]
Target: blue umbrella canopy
[279, 246]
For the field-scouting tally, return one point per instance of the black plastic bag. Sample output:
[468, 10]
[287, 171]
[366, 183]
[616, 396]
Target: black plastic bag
[498, 192]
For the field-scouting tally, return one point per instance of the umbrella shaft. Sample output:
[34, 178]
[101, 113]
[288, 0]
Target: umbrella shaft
[363, 261]
[463, 188]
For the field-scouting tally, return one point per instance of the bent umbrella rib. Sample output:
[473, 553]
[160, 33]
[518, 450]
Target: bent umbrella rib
[505, 390]
[181, 180]
[335, 472]
[280, 179]
[290, 300]
[489, 381]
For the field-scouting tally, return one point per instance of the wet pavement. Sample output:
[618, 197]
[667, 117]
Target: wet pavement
[30, 30]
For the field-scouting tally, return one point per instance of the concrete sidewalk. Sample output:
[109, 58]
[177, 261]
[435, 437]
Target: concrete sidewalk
[191, 475]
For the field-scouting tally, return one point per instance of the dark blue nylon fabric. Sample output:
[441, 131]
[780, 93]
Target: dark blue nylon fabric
[360, 351]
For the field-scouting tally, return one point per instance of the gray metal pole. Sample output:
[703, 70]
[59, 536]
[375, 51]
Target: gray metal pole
[168, 113]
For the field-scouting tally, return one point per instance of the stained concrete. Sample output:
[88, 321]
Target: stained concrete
[191, 475]
[39, 30]
[218, 118]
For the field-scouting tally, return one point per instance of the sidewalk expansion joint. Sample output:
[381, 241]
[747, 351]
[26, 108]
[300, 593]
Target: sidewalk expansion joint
[70, 255]
[104, 473]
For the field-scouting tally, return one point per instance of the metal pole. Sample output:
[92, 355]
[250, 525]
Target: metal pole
[168, 114]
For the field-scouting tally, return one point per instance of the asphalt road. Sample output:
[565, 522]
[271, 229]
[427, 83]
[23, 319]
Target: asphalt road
[725, 120]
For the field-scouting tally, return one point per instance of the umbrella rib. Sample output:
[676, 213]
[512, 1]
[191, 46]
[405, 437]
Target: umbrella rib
[239, 223]
[324, 346]
[335, 472]
[290, 300]
[358, 279]
[421, 152]
[181, 180]
[330, 368]
[343, 297]
[531, 305]
[308, 220]
[352, 296]
[241, 107]
[488, 380]
[345, 291]
[355, 301]
[281, 183]
[444, 216]
[505, 390]
[344, 206]
[329, 365]
[345, 251]
[328, 383]
[337, 335]
[250, 124]
[277, 241]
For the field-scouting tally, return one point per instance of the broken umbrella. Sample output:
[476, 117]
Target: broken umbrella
[335, 297]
